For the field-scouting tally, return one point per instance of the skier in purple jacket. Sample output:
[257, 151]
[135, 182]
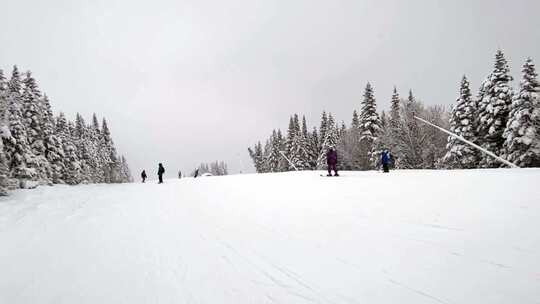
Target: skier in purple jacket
[331, 161]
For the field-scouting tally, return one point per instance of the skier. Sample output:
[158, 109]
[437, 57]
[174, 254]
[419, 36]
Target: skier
[179, 174]
[196, 173]
[160, 172]
[385, 160]
[143, 175]
[331, 161]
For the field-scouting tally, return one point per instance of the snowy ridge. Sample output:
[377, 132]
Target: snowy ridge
[468, 236]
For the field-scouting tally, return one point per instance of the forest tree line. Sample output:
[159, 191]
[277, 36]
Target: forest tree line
[217, 168]
[39, 148]
[501, 119]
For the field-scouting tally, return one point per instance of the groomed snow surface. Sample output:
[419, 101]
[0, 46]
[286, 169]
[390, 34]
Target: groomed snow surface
[366, 237]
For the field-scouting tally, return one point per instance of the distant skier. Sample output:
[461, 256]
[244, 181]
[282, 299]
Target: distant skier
[331, 161]
[160, 173]
[179, 174]
[143, 176]
[385, 160]
[196, 173]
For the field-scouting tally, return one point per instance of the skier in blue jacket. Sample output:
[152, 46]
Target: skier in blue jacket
[385, 160]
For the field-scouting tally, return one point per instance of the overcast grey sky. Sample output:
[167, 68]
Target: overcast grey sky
[184, 82]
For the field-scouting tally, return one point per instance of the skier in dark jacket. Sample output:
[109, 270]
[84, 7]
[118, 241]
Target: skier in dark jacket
[331, 161]
[196, 173]
[143, 175]
[385, 160]
[160, 173]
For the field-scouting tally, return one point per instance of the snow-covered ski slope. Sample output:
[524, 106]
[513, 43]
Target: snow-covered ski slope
[366, 237]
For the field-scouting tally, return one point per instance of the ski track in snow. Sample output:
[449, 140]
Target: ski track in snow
[278, 238]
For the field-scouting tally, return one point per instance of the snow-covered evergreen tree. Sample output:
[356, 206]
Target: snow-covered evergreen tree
[434, 141]
[32, 111]
[313, 148]
[370, 123]
[256, 155]
[493, 110]
[395, 118]
[522, 133]
[304, 128]
[54, 151]
[97, 148]
[460, 155]
[72, 172]
[408, 140]
[4, 133]
[126, 172]
[370, 127]
[84, 154]
[111, 159]
[296, 145]
[4, 182]
[355, 123]
[283, 165]
[14, 84]
[298, 153]
[330, 140]
[322, 131]
[342, 129]
[272, 160]
[21, 161]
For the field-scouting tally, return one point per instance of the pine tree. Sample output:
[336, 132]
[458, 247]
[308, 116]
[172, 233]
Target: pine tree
[330, 140]
[266, 156]
[14, 83]
[4, 183]
[355, 124]
[462, 122]
[307, 152]
[84, 151]
[296, 145]
[296, 122]
[304, 128]
[32, 111]
[283, 164]
[274, 155]
[291, 134]
[350, 149]
[298, 154]
[98, 148]
[54, 151]
[522, 133]
[409, 143]
[370, 127]
[322, 130]
[95, 124]
[313, 148]
[126, 173]
[384, 121]
[256, 155]
[72, 172]
[493, 110]
[370, 123]
[21, 160]
[4, 133]
[111, 170]
[342, 129]
[395, 118]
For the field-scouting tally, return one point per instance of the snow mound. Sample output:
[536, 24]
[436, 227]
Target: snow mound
[366, 237]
